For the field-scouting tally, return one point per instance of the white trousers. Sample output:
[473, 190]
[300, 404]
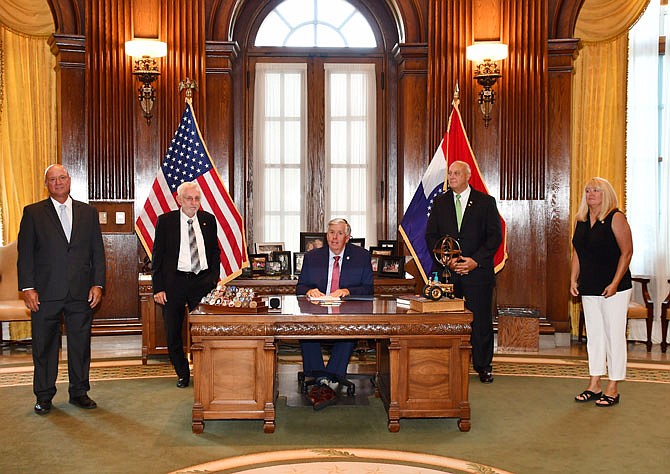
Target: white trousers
[606, 320]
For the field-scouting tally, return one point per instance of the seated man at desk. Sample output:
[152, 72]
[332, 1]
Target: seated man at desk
[338, 270]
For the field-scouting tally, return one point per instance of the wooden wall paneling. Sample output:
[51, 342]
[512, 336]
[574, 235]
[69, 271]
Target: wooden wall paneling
[110, 97]
[521, 282]
[562, 17]
[523, 101]
[182, 24]
[220, 136]
[448, 35]
[68, 16]
[71, 86]
[413, 151]
[562, 54]
[119, 311]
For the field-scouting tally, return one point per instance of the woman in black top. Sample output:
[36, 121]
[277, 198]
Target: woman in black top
[603, 247]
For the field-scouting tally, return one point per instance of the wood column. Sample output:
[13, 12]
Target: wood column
[220, 103]
[562, 53]
[413, 151]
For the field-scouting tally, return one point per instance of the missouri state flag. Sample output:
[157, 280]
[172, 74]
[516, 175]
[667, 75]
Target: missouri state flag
[187, 159]
[454, 146]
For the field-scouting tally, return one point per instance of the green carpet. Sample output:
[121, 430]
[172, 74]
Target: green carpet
[520, 424]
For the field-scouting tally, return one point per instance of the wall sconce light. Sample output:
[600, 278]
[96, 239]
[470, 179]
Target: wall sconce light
[145, 67]
[485, 54]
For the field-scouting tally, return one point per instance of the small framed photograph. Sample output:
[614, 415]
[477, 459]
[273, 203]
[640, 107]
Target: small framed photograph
[272, 268]
[381, 251]
[312, 240]
[284, 258]
[246, 272]
[297, 262]
[375, 262]
[268, 247]
[258, 263]
[392, 266]
[389, 244]
[360, 242]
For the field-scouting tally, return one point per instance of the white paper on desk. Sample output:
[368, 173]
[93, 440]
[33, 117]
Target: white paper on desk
[325, 299]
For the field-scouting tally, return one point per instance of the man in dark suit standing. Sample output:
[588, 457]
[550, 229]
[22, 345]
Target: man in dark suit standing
[338, 270]
[184, 268]
[472, 218]
[61, 270]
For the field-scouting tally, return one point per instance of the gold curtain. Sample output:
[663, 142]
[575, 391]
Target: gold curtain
[598, 144]
[28, 118]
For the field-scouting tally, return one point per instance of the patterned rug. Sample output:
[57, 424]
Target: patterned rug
[504, 365]
[341, 461]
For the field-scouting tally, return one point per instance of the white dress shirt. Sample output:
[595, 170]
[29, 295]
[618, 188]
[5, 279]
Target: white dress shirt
[184, 263]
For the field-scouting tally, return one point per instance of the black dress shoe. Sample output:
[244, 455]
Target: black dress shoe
[43, 407]
[83, 401]
[485, 376]
[182, 382]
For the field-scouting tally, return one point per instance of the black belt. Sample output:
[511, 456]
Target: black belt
[187, 275]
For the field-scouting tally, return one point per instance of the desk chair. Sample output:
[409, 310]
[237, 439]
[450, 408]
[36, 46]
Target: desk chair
[635, 311]
[664, 322]
[306, 382]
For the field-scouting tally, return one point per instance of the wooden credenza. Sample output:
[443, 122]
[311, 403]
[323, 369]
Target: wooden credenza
[153, 326]
[422, 358]
[154, 340]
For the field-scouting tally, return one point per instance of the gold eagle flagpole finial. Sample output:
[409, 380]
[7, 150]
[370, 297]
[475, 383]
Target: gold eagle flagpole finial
[190, 86]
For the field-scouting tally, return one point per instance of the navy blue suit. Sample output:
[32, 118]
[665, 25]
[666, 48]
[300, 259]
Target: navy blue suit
[356, 276]
[479, 238]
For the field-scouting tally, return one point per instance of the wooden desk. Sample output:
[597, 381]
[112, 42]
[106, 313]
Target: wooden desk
[422, 359]
[151, 314]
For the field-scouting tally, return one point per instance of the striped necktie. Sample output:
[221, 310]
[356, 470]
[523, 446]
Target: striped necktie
[193, 245]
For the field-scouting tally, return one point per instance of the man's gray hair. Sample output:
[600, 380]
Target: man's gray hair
[339, 220]
[187, 185]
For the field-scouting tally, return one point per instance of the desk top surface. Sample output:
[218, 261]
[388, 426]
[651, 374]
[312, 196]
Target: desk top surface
[300, 308]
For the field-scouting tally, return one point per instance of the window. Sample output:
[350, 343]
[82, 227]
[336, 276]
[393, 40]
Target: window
[315, 23]
[315, 151]
[648, 155]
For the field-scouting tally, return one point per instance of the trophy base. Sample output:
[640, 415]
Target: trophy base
[420, 304]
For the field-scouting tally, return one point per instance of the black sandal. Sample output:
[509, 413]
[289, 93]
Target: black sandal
[587, 396]
[607, 401]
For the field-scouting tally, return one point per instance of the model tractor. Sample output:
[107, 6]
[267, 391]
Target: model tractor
[435, 289]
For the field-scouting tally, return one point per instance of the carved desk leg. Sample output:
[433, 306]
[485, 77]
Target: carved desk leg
[198, 412]
[394, 392]
[270, 376]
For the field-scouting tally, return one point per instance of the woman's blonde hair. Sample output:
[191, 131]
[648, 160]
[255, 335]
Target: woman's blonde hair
[610, 201]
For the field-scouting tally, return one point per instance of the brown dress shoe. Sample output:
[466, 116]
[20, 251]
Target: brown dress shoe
[327, 397]
[314, 393]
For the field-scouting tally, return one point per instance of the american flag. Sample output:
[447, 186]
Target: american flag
[187, 159]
